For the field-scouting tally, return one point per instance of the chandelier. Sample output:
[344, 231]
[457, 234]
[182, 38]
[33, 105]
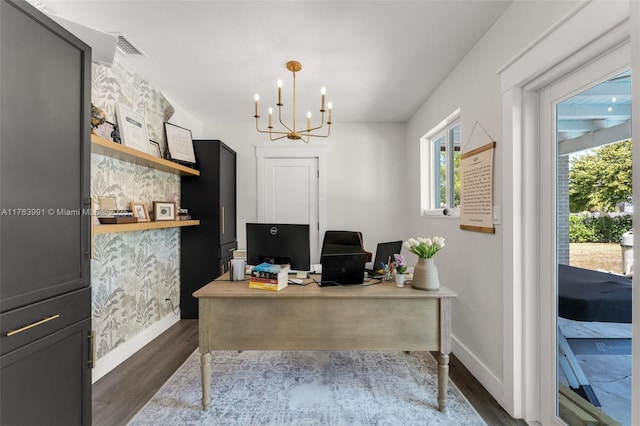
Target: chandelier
[291, 132]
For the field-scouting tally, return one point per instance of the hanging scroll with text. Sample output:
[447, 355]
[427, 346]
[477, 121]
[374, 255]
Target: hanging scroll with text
[476, 189]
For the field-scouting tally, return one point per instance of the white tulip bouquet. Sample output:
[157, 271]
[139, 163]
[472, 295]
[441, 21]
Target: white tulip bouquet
[424, 247]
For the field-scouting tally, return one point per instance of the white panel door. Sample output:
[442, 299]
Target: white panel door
[290, 190]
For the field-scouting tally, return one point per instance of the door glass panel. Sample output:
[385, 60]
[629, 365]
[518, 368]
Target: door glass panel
[594, 206]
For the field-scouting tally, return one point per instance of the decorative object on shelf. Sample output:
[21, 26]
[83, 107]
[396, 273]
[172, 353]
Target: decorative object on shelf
[140, 211]
[108, 212]
[164, 210]
[115, 134]
[425, 273]
[106, 206]
[183, 214]
[290, 132]
[180, 144]
[133, 128]
[117, 220]
[97, 118]
[154, 149]
[104, 130]
[400, 267]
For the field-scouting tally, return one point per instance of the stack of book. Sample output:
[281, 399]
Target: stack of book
[183, 214]
[267, 276]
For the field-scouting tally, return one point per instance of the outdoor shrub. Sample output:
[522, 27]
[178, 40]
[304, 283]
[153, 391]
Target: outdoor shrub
[598, 229]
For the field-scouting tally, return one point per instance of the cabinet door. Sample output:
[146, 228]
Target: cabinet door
[48, 382]
[44, 157]
[227, 194]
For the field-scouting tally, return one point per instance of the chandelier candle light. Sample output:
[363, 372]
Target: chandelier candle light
[290, 132]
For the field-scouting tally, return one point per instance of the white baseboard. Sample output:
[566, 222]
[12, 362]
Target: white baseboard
[480, 371]
[131, 346]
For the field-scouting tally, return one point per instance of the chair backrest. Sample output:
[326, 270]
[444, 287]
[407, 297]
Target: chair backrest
[337, 242]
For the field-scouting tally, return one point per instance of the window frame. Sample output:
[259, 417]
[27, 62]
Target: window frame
[430, 168]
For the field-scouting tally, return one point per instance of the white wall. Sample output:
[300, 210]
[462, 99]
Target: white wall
[365, 177]
[471, 263]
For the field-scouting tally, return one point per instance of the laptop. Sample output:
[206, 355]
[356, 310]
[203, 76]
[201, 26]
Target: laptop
[342, 269]
[384, 251]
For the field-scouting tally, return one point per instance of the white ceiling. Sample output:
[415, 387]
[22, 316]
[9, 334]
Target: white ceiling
[379, 60]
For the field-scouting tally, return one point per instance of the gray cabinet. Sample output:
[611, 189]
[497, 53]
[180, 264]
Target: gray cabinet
[206, 250]
[45, 300]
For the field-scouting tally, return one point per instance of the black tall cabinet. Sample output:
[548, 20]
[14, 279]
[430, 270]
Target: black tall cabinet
[45, 298]
[211, 198]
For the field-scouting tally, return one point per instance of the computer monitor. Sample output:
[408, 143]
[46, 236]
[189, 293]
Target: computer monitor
[279, 243]
[385, 251]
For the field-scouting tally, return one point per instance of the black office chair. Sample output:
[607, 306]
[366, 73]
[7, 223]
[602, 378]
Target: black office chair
[337, 242]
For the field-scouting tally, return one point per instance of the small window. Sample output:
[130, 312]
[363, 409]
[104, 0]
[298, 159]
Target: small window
[440, 167]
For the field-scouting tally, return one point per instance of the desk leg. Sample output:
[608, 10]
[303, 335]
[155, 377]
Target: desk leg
[443, 381]
[205, 371]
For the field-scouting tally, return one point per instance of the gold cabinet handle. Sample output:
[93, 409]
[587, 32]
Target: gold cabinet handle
[223, 220]
[35, 324]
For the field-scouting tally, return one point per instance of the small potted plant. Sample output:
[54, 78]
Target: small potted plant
[400, 267]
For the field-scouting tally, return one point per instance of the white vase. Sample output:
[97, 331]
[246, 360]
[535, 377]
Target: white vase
[400, 278]
[425, 275]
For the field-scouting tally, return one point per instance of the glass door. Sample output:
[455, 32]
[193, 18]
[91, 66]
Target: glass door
[594, 246]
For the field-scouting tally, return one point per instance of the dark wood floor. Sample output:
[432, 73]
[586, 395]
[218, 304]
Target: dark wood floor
[120, 394]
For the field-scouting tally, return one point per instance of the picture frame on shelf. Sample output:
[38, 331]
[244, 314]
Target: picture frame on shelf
[164, 210]
[140, 211]
[154, 149]
[133, 128]
[180, 144]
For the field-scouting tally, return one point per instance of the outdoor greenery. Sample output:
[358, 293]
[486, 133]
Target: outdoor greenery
[598, 229]
[457, 158]
[598, 181]
[601, 178]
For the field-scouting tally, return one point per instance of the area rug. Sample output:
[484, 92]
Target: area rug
[309, 388]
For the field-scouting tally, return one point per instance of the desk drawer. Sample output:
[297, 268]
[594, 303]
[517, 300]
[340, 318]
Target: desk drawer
[25, 325]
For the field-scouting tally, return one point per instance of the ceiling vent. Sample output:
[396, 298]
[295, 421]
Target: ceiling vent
[126, 46]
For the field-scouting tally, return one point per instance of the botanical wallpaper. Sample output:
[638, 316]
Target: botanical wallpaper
[119, 84]
[132, 273]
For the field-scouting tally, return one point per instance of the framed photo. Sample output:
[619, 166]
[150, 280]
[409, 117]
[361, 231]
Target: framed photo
[133, 128]
[105, 131]
[154, 149]
[140, 211]
[179, 143]
[164, 210]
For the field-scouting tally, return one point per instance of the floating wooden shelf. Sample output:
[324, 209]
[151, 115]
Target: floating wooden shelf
[122, 152]
[142, 226]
